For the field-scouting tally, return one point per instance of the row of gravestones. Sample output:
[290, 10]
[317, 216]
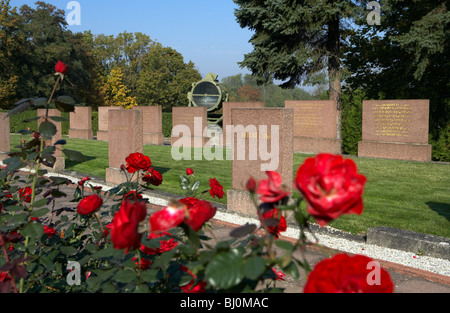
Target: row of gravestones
[395, 129]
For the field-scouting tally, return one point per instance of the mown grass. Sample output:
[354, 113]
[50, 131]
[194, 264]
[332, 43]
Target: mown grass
[402, 194]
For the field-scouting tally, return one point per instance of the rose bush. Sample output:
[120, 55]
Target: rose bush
[122, 246]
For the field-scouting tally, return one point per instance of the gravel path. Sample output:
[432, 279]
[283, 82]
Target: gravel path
[426, 263]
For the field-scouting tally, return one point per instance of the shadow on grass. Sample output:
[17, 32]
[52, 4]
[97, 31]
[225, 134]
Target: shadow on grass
[71, 164]
[440, 208]
[162, 170]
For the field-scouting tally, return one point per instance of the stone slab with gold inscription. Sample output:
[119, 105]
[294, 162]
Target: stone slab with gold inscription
[125, 136]
[152, 124]
[189, 123]
[315, 126]
[226, 109]
[262, 141]
[5, 141]
[395, 129]
[81, 123]
[102, 132]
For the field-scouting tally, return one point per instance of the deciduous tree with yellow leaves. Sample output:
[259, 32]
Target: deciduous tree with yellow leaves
[114, 92]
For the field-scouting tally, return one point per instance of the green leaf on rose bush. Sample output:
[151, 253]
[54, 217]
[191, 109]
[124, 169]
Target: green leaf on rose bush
[41, 212]
[125, 276]
[254, 267]
[47, 130]
[33, 230]
[225, 270]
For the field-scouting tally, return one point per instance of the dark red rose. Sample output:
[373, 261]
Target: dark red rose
[274, 221]
[25, 194]
[153, 177]
[251, 184]
[279, 274]
[199, 212]
[164, 245]
[348, 274]
[132, 195]
[271, 190]
[136, 162]
[50, 232]
[60, 67]
[331, 187]
[189, 171]
[83, 180]
[166, 219]
[216, 188]
[191, 288]
[145, 264]
[124, 231]
[189, 201]
[12, 236]
[89, 204]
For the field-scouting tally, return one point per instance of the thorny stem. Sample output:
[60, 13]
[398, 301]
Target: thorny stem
[33, 195]
[53, 92]
[100, 223]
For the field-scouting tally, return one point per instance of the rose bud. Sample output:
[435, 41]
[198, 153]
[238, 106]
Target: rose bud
[60, 67]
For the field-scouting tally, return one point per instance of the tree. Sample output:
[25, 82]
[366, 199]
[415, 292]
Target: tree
[294, 40]
[10, 48]
[126, 50]
[165, 79]
[249, 93]
[406, 57]
[32, 42]
[115, 93]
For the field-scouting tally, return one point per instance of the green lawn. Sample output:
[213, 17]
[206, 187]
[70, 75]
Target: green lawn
[401, 194]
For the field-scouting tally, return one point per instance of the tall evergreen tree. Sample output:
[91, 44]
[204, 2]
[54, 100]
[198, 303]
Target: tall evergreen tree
[294, 40]
[406, 57]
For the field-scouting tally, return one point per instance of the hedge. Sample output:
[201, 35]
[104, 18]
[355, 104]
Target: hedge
[17, 122]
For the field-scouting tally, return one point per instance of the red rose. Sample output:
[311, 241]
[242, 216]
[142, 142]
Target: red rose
[191, 288]
[60, 67]
[164, 245]
[331, 187]
[89, 204]
[136, 162]
[166, 218]
[348, 274]
[216, 188]
[279, 275]
[25, 194]
[145, 264]
[199, 212]
[132, 195]
[50, 232]
[153, 177]
[271, 189]
[124, 231]
[277, 222]
[189, 171]
[83, 180]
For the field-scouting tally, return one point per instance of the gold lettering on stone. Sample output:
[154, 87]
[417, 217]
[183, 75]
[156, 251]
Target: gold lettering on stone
[392, 119]
[308, 119]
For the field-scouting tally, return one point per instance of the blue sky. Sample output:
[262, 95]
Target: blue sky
[203, 31]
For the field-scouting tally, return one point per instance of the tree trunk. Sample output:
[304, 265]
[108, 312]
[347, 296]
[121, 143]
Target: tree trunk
[334, 72]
